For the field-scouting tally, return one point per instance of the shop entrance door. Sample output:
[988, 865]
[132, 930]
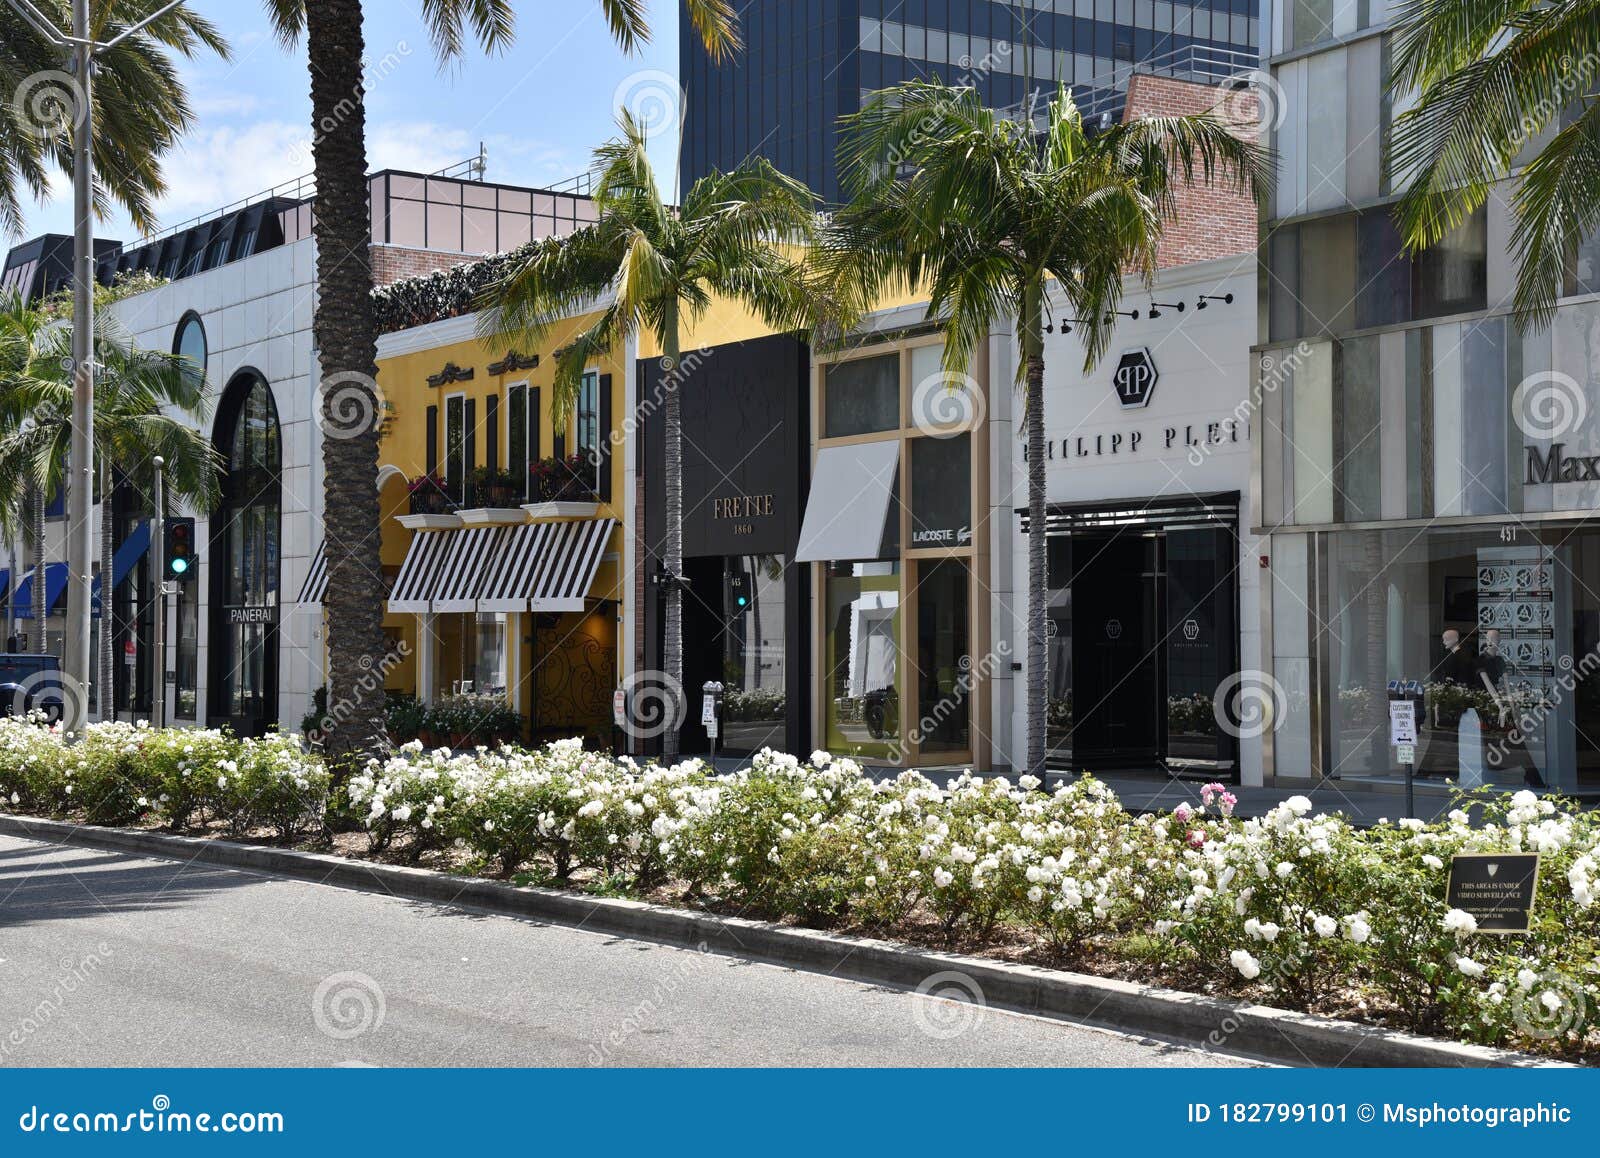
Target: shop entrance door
[1117, 649]
[1144, 630]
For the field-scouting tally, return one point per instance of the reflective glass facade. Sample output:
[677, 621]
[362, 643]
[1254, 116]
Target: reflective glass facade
[807, 62]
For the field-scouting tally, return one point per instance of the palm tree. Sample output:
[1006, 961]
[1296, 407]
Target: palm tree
[343, 324]
[141, 107]
[654, 268]
[983, 213]
[1491, 78]
[147, 404]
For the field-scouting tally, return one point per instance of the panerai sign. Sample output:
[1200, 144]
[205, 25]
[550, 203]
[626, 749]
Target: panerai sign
[1556, 467]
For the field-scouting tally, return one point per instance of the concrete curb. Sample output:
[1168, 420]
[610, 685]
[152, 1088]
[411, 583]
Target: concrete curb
[1211, 1023]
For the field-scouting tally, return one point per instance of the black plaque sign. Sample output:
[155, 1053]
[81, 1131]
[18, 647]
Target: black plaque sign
[1496, 888]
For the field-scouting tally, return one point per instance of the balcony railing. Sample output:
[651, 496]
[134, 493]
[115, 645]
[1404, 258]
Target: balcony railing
[546, 483]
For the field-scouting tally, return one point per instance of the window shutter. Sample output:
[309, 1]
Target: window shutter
[433, 441]
[470, 436]
[491, 428]
[603, 438]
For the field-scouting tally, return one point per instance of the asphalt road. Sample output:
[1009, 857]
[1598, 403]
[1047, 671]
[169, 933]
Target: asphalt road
[115, 960]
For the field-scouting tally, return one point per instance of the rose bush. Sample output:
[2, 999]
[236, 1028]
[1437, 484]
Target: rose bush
[1293, 908]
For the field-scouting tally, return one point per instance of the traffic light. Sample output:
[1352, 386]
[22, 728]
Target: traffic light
[737, 592]
[182, 558]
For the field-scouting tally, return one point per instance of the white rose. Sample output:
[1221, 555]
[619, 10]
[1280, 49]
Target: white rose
[1325, 926]
[1249, 968]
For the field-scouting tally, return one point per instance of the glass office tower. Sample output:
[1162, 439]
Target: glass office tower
[807, 62]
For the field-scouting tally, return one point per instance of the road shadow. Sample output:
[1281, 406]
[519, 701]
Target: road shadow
[52, 882]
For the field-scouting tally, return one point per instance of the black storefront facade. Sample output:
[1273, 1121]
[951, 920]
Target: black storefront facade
[746, 452]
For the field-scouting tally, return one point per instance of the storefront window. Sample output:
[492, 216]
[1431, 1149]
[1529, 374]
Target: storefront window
[861, 677]
[941, 491]
[187, 665]
[754, 671]
[489, 674]
[862, 396]
[1503, 637]
[944, 660]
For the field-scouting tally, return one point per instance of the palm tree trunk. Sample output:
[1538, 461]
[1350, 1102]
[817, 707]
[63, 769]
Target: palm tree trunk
[672, 481]
[1033, 416]
[108, 670]
[345, 336]
[36, 502]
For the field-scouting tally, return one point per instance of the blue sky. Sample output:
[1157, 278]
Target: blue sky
[540, 107]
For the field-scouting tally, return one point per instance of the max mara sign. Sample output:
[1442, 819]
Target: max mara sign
[1556, 467]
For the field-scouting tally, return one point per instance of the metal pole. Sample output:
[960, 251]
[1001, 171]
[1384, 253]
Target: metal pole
[80, 483]
[158, 560]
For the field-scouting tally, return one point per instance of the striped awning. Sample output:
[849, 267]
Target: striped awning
[469, 557]
[316, 584]
[421, 573]
[545, 566]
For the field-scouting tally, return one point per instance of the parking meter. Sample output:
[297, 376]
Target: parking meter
[711, 712]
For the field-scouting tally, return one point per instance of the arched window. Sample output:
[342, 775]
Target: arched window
[190, 342]
[245, 549]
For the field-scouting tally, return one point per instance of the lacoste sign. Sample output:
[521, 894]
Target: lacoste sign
[1556, 467]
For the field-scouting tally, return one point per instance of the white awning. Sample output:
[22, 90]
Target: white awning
[316, 584]
[545, 566]
[850, 491]
[468, 559]
[419, 574]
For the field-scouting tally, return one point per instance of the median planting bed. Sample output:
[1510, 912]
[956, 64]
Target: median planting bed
[1293, 909]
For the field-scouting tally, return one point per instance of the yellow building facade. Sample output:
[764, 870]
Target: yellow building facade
[502, 536]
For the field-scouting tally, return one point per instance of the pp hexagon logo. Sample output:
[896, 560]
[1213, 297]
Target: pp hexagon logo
[1135, 378]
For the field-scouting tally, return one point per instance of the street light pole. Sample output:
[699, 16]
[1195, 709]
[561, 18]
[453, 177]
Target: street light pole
[80, 484]
[81, 49]
[158, 562]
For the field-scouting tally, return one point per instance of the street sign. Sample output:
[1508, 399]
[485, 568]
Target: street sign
[711, 729]
[1402, 723]
[1408, 753]
[1496, 888]
[130, 653]
[619, 708]
[708, 710]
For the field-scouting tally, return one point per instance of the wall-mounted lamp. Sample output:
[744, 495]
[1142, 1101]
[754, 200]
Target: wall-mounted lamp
[1225, 299]
[1157, 307]
[1113, 315]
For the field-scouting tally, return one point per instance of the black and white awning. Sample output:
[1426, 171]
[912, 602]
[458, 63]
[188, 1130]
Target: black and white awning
[546, 566]
[316, 584]
[529, 567]
[420, 574]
